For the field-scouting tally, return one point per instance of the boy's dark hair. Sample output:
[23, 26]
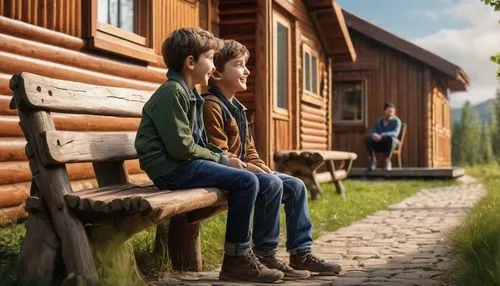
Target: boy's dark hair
[230, 50]
[185, 42]
[389, 104]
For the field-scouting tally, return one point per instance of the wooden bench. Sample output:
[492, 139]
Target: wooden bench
[63, 224]
[305, 164]
[399, 149]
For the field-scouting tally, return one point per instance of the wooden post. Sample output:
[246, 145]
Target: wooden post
[40, 260]
[184, 245]
[339, 187]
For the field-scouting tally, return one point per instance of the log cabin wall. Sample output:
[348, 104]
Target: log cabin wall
[49, 38]
[387, 76]
[309, 88]
[441, 126]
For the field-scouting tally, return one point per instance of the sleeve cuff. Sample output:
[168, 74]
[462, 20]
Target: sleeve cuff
[223, 160]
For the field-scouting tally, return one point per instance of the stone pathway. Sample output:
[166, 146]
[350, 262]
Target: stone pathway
[403, 245]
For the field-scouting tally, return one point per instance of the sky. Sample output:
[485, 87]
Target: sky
[465, 32]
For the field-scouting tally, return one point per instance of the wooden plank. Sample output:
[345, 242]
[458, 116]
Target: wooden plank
[67, 146]
[65, 96]
[436, 173]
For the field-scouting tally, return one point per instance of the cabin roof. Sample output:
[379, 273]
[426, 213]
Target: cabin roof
[333, 32]
[458, 80]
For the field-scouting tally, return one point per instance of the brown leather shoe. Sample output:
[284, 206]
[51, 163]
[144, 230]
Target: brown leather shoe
[272, 262]
[307, 261]
[247, 268]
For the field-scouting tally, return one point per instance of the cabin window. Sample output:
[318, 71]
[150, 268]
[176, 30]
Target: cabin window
[310, 71]
[349, 101]
[123, 27]
[281, 55]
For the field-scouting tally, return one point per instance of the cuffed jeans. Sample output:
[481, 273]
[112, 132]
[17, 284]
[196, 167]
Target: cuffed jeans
[244, 191]
[298, 222]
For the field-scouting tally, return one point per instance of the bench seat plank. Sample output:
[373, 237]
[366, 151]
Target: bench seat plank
[322, 154]
[159, 204]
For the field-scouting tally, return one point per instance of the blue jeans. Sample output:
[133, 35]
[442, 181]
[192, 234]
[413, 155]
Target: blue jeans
[244, 191]
[298, 222]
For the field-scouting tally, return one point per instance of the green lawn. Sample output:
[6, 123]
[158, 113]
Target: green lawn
[476, 242]
[329, 213]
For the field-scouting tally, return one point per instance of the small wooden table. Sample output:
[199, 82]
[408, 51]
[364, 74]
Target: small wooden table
[305, 164]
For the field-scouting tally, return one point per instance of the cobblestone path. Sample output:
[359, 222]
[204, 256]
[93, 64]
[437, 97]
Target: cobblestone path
[403, 245]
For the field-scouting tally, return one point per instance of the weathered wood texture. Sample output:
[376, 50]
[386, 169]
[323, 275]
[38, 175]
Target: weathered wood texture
[305, 164]
[398, 78]
[47, 38]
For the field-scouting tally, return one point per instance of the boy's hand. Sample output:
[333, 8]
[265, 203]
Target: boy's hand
[237, 163]
[376, 137]
[254, 168]
[267, 169]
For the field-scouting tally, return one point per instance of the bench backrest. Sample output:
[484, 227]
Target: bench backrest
[40, 93]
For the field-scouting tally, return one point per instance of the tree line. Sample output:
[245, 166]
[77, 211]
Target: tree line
[475, 142]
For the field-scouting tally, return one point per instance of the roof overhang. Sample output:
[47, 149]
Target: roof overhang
[457, 79]
[329, 21]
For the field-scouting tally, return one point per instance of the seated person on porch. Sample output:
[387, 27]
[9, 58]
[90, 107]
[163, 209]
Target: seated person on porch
[383, 137]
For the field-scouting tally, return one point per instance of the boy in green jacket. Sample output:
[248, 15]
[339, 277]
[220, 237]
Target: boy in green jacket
[174, 151]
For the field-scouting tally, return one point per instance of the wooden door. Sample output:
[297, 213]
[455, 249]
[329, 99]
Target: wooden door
[281, 127]
[441, 130]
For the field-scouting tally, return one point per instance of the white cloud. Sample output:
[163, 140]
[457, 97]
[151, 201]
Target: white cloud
[469, 47]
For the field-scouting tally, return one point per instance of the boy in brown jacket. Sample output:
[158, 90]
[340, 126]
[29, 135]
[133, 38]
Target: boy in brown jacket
[227, 127]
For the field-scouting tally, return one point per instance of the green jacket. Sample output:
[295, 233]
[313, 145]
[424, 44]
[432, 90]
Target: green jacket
[164, 139]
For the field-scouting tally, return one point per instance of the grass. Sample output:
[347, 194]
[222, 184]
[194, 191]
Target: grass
[476, 242]
[328, 213]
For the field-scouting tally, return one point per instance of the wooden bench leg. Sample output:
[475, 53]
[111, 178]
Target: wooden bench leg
[40, 260]
[312, 185]
[184, 244]
[339, 187]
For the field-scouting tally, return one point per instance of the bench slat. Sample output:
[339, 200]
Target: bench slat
[148, 199]
[322, 154]
[72, 147]
[74, 97]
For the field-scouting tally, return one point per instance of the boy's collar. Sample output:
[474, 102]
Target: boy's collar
[217, 92]
[173, 75]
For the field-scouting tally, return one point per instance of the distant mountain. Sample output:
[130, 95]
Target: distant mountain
[483, 109]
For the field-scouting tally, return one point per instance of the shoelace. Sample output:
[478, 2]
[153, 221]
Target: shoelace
[280, 263]
[253, 261]
[313, 258]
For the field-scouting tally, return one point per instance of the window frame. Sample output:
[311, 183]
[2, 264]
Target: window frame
[108, 38]
[312, 53]
[278, 18]
[351, 125]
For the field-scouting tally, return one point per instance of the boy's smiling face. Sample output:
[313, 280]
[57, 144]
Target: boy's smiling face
[203, 68]
[235, 74]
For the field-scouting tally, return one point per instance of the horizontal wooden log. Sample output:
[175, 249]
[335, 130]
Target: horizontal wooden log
[73, 122]
[12, 149]
[324, 177]
[314, 118]
[17, 172]
[5, 105]
[312, 110]
[314, 146]
[26, 47]
[4, 83]
[12, 214]
[68, 147]
[313, 139]
[12, 195]
[39, 34]
[310, 124]
[72, 97]
[311, 131]
[12, 63]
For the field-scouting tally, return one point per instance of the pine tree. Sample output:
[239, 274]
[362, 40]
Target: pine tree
[495, 127]
[456, 151]
[471, 132]
[486, 151]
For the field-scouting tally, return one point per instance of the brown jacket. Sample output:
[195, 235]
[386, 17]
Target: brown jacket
[227, 137]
